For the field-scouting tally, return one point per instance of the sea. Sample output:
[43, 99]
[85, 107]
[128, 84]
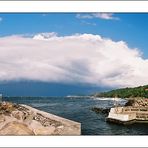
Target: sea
[78, 108]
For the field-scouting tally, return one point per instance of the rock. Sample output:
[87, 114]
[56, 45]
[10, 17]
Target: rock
[38, 129]
[46, 121]
[46, 131]
[101, 110]
[16, 119]
[18, 115]
[60, 130]
[64, 130]
[16, 128]
[28, 117]
[137, 103]
[130, 103]
[2, 118]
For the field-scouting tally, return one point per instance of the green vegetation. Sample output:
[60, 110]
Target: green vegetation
[136, 92]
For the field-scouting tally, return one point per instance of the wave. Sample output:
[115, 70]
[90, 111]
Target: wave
[109, 99]
[74, 96]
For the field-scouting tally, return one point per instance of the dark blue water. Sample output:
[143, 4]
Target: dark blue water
[79, 109]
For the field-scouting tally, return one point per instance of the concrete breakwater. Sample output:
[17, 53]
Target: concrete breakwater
[137, 111]
[20, 119]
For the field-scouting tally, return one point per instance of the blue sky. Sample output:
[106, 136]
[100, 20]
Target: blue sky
[130, 27]
[72, 53]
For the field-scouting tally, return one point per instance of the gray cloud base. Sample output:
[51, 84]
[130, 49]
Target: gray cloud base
[79, 58]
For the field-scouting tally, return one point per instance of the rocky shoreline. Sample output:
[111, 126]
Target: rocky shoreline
[16, 119]
[140, 102]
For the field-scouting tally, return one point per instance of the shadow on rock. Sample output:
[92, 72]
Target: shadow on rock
[104, 111]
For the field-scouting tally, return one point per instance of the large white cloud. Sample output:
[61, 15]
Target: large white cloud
[79, 58]
[105, 16]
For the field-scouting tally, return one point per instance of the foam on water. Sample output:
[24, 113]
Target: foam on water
[109, 99]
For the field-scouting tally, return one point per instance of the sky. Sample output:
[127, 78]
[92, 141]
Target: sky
[77, 52]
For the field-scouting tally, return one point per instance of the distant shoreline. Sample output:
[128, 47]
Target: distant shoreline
[140, 92]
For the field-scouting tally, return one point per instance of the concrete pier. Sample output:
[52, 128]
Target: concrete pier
[128, 115]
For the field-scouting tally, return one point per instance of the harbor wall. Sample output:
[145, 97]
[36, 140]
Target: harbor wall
[70, 127]
[116, 114]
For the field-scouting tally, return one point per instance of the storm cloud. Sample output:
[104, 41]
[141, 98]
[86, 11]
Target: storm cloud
[78, 58]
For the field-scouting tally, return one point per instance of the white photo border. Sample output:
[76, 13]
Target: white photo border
[73, 6]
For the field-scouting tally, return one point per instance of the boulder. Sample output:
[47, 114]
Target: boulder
[101, 110]
[18, 115]
[15, 129]
[38, 129]
[130, 103]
